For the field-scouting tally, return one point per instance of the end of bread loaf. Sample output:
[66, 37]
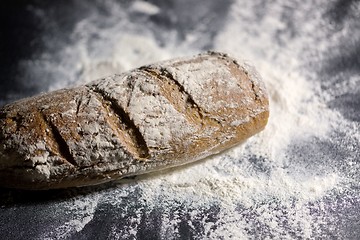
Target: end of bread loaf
[154, 117]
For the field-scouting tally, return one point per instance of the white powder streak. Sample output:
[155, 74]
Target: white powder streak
[83, 210]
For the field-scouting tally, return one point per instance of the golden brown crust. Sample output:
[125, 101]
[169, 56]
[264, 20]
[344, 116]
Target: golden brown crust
[154, 117]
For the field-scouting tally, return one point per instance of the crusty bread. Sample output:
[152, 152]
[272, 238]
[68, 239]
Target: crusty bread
[150, 118]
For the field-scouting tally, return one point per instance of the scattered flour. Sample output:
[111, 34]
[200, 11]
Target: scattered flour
[81, 209]
[248, 191]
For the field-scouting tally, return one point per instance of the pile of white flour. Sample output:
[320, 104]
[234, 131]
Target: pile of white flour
[250, 190]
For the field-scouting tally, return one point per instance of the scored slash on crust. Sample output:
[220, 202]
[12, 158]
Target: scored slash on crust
[170, 87]
[134, 135]
[62, 146]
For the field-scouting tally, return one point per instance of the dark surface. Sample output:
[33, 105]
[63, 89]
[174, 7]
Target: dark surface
[27, 26]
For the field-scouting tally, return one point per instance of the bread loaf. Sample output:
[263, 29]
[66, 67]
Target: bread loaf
[150, 118]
